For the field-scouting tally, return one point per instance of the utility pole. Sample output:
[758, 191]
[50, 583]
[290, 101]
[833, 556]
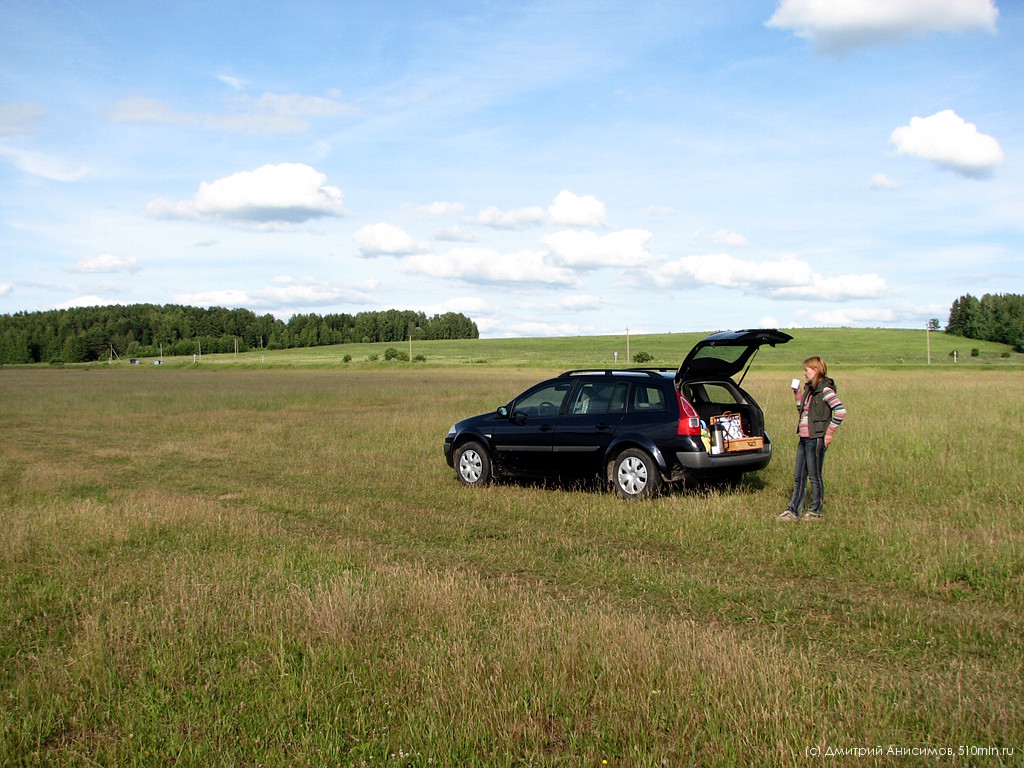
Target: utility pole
[931, 325]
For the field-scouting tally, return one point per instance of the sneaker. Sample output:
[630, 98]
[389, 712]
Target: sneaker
[812, 517]
[789, 516]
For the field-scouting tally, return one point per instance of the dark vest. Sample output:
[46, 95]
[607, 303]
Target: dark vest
[819, 415]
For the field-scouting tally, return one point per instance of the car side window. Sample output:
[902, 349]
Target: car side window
[545, 401]
[599, 397]
[647, 399]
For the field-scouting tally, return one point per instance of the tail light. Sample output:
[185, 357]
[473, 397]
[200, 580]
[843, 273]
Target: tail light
[689, 419]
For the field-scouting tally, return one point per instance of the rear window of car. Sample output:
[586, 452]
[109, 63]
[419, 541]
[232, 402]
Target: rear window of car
[647, 399]
[709, 392]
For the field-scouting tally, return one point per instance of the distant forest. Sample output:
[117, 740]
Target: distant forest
[84, 334]
[995, 317]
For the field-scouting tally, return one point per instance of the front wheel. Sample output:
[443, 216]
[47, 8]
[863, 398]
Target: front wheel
[473, 464]
[635, 474]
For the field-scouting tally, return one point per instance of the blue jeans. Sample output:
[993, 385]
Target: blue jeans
[810, 460]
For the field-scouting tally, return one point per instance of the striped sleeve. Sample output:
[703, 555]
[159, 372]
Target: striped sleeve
[838, 409]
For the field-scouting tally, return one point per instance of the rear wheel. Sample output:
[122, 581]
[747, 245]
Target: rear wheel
[473, 464]
[635, 475]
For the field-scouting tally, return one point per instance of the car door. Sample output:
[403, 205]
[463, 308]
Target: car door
[585, 430]
[522, 444]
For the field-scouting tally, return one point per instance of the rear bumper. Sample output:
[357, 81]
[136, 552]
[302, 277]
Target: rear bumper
[744, 461]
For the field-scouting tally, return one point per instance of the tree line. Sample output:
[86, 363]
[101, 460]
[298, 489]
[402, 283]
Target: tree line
[994, 317]
[85, 334]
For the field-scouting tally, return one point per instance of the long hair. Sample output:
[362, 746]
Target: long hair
[820, 369]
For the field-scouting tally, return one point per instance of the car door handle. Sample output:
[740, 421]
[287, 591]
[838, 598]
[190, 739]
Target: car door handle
[602, 426]
[546, 427]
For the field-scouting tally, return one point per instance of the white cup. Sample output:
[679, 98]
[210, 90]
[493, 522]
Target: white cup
[794, 384]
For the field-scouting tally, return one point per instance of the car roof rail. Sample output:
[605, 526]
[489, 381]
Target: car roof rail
[650, 372]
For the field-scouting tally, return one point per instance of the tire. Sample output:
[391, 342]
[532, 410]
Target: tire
[635, 475]
[472, 464]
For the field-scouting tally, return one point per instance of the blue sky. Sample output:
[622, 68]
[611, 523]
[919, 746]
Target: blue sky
[549, 168]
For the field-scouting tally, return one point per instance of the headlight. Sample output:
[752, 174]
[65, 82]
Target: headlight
[451, 430]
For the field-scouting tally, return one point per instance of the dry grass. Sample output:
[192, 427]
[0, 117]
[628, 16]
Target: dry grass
[276, 567]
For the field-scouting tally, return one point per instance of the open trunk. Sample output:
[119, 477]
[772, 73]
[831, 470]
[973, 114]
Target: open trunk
[716, 398]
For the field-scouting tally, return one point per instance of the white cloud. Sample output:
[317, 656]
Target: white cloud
[235, 83]
[840, 288]
[574, 302]
[661, 210]
[572, 210]
[582, 301]
[483, 265]
[882, 182]
[725, 271]
[588, 250]
[42, 165]
[533, 328]
[283, 292]
[467, 305]
[437, 210]
[567, 209]
[456, 235]
[297, 105]
[840, 27]
[727, 239]
[521, 218]
[268, 114]
[786, 278]
[282, 194]
[383, 239]
[946, 140]
[5, 289]
[144, 111]
[106, 263]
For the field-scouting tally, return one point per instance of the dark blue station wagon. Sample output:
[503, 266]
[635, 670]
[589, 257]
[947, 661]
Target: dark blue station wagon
[638, 429]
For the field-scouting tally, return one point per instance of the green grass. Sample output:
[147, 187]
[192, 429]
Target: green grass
[841, 346]
[272, 564]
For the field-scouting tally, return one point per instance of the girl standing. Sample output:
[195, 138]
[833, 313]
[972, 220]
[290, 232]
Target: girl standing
[821, 413]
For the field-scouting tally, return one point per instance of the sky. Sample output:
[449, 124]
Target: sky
[545, 168]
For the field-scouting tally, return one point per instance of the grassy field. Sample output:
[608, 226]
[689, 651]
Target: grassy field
[269, 563]
[842, 346]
